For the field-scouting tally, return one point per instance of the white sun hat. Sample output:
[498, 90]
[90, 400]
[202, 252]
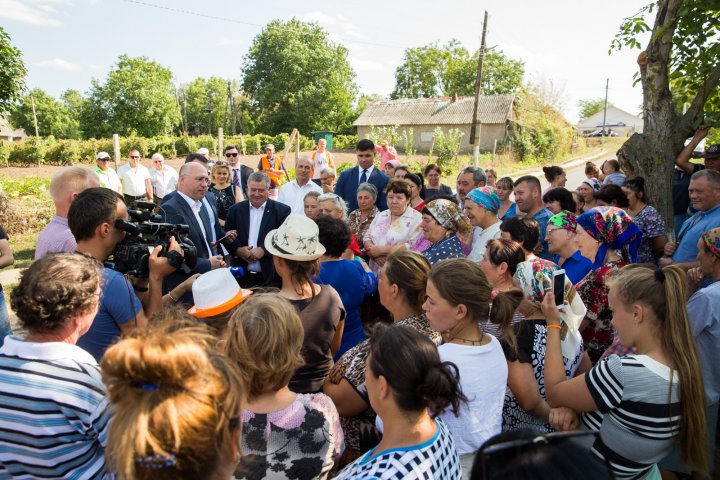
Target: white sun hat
[296, 239]
[216, 292]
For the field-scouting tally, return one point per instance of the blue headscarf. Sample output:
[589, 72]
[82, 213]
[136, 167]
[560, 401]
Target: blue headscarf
[613, 228]
[486, 198]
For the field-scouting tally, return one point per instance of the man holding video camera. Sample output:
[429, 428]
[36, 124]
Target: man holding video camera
[92, 219]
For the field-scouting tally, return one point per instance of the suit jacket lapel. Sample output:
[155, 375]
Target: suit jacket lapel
[264, 222]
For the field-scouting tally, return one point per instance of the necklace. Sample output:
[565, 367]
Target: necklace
[470, 342]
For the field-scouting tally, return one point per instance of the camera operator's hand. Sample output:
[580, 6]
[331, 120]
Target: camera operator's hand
[159, 266]
[217, 262]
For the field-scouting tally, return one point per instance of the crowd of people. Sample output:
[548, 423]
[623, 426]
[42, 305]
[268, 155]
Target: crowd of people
[369, 323]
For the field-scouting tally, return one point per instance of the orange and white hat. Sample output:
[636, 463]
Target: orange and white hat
[216, 292]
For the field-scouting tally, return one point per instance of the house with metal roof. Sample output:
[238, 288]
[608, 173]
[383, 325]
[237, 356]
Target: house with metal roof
[10, 134]
[615, 119]
[423, 115]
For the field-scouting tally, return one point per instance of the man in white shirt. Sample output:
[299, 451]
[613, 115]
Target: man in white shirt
[135, 178]
[321, 158]
[163, 177]
[293, 193]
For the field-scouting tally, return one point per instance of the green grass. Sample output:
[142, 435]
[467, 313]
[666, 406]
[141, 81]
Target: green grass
[23, 247]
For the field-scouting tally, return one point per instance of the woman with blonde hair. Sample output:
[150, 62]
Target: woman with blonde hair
[281, 430]
[644, 402]
[226, 194]
[175, 406]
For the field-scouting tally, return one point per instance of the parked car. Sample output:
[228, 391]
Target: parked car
[602, 133]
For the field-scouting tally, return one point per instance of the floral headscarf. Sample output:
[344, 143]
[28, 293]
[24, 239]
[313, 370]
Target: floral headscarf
[486, 198]
[564, 220]
[534, 277]
[712, 241]
[448, 215]
[613, 228]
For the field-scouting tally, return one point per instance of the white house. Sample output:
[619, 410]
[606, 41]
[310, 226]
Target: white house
[10, 134]
[617, 120]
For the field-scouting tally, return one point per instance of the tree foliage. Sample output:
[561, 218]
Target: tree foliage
[679, 70]
[12, 72]
[441, 70]
[591, 106]
[201, 94]
[297, 78]
[53, 117]
[137, 98]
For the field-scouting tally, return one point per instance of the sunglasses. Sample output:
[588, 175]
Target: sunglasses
[134, 156]
[231, 154]
[103, 159]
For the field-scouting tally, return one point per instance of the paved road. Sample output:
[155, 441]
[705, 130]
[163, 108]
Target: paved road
[575, 171]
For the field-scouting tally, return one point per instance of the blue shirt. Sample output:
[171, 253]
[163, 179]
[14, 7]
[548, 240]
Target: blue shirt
[353, 284]
[705, 325]
[616, 178]
[118, 305]
[542, 218]
[690, 233]
[576, 266]
[511, 212]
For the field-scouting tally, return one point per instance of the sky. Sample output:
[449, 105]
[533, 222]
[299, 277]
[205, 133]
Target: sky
[564, 43]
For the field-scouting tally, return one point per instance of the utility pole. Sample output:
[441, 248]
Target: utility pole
[602, 132]
[478, 83]
[32, 101]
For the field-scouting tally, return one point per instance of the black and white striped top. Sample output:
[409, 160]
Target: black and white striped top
[638, 413]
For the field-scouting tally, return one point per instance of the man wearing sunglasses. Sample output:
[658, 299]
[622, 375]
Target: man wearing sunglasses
[135, 178]
[239, 173]
[107, 175]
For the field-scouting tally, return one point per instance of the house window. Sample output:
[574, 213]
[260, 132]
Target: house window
[426, 137]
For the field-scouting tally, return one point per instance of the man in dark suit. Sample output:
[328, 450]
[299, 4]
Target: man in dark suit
[347, 185]
[239, 173]
[253, 219]
[187, 207]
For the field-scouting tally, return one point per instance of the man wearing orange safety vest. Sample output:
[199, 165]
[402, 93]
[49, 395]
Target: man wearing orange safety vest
[321, 159]
[273, 167]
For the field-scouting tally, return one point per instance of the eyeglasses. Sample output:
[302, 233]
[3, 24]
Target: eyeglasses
[134, 156]
[157, 161]
[232, 154]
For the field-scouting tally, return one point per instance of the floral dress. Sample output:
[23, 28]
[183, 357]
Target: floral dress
[404, 230]
[598, 335]
[358, 227]
[652, 225]
[360, 432]
[300, 441]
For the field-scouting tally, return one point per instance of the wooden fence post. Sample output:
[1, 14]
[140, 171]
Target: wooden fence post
[220, 142]
[116, 150]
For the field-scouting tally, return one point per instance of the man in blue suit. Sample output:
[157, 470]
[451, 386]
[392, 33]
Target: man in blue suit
[187, 207]
[253, 219]
[347, 185]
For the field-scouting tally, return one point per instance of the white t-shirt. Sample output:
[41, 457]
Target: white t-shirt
[293, 195]
[480, 243]
[483, 378]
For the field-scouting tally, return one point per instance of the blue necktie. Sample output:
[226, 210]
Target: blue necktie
[206, 224]
[363, 176]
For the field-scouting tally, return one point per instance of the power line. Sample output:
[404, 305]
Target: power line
[250, 24]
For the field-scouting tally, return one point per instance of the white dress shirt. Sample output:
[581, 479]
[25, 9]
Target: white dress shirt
[195, 207]
[133, 179]
[256, 215]
[164, 181]
[369, 171]
[293, 195]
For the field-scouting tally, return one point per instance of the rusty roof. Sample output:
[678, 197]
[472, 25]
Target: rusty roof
[437, 111]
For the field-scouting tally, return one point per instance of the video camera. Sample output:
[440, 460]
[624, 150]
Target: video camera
[145, 231]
